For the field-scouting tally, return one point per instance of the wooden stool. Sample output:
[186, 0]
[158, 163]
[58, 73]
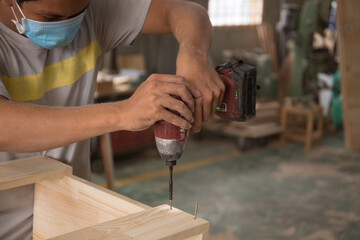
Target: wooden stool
[291, 130]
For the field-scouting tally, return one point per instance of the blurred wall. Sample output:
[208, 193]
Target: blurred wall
[160, 51]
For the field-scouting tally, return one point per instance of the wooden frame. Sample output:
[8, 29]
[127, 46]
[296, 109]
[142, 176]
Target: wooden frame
[67, 207]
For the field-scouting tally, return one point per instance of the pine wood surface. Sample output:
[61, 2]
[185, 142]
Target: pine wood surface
[155, 223]
[70, 203]
[67, 207]
[30, 170]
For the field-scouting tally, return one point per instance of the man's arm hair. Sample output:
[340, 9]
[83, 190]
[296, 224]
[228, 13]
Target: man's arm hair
[31, 128]
[21, 1]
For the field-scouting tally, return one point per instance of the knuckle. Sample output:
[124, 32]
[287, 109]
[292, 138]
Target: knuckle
[181, 79]
[175, 120]
[152, 77]
[199, 101]
[153, 98]
[196, 127]
[181, 105]
[222, 87]
[153, 85]
[156, 110]
[183, 90]
[208, 97]
[217, 93]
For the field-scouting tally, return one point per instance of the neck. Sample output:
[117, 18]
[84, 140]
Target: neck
[5, 17]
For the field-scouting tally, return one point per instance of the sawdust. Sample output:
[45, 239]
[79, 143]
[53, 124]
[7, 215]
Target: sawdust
[347, 216]
[272, 159]
[320, 183]
[322, 234]
[313, 170]
[338, 224]
[340, 220]
[228, 235]
[289, 231]
[325, 151]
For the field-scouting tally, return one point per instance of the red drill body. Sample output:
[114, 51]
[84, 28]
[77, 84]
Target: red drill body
[238, 105]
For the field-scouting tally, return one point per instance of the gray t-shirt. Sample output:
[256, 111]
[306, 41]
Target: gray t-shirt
[60, 77]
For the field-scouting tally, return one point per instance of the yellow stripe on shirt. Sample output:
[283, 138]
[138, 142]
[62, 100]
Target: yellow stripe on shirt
[60, 74]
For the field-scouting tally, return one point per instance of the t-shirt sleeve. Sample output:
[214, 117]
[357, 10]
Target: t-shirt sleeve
[118, 21]
[3, 91]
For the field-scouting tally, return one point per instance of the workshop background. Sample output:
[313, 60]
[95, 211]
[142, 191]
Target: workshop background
[293, 172]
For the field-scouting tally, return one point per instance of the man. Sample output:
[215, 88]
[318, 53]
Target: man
[49, 57]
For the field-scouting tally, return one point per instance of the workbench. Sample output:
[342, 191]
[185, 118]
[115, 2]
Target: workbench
[67, 207]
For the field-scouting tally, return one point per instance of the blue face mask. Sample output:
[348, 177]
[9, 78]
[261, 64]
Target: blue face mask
[49, 35]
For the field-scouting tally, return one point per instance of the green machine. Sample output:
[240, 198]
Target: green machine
[299, 30]
[266, 78]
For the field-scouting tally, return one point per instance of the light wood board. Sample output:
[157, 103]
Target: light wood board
[152, 224]
[70, 203]
[67, 207]
[30, 170]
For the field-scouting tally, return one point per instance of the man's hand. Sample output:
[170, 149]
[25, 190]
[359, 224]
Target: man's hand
[54, 127]
[153, 98]
[198, 73]
[191, 26]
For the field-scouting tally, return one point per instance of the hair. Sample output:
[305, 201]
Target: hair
[22, 1]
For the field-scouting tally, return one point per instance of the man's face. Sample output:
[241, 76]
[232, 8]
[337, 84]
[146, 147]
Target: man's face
[51, 10]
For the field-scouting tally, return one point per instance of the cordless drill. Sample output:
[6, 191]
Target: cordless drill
[238, 105]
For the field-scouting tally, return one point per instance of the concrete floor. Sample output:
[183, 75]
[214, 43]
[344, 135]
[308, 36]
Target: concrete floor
[265, 193]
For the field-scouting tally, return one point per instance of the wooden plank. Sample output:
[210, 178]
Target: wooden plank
[267, 43]
[267, 129]
[71, 203]
[348, 20]
[30, 170]
[152, 224]
[301, 137]
[198, 237]
[132, 61]
[263, 132]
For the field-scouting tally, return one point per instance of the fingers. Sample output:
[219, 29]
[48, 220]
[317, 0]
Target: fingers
[174, 119]
[176, 79]
[196, 127]
[218, 93]
[222, 91]
[212, 98]
[175, 85]
[207, 100]
[180, 91]
[179, 106]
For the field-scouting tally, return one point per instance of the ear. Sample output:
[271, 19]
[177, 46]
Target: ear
[7, 3]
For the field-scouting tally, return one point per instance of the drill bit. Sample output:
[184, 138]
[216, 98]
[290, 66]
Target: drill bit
[171, 186]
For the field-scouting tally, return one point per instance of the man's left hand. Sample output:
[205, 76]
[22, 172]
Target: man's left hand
[195, 68]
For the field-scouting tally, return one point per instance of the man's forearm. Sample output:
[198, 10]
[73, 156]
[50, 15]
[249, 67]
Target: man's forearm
[187, 21]
[31, 128]
[190, 24]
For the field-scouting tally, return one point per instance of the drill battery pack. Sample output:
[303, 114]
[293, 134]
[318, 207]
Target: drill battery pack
[240, 91]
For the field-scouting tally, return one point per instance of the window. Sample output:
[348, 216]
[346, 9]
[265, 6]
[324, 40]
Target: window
[235, 12]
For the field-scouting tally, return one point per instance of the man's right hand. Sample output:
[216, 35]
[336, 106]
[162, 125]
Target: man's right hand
[151, 100]
[54, 127]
